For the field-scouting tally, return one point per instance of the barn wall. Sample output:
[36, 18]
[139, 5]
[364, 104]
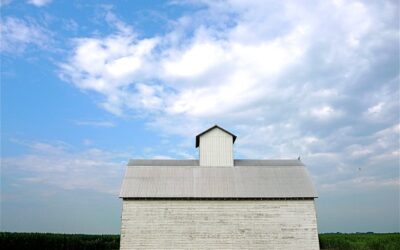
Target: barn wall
[216, 148]
[219, 224]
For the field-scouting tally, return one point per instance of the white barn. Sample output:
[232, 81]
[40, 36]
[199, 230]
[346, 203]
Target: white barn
[217, 202]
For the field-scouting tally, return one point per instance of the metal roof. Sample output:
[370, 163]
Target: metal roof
[215, 126]
[239, 162]
[266, 163]
[247, 179]
[162, 162]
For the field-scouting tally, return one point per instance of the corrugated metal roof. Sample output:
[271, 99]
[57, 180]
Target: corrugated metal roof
[162, 162]
[266, 163]
[239, 163]
[247, 179]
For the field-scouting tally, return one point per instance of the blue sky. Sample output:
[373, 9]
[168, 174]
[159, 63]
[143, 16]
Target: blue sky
[86, 85]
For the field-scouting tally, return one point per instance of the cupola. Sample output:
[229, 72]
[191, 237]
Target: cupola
[215, 147]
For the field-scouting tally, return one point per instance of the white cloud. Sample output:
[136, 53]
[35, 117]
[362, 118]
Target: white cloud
[96, 123]
[325, 113]
[107, 66]
[39, 3]
[216, 72]
[194, 61]
[62, 166]
[376, 109]
[315, 79]
[369, 182]
[87, 142]
[4, 2]
[17, 34]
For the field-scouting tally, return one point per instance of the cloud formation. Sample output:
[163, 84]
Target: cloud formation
[95, 123]
[59, 165]
[17, 34]
[316, 79]
[39, 3]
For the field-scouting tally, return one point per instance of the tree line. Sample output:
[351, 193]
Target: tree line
[44, 241]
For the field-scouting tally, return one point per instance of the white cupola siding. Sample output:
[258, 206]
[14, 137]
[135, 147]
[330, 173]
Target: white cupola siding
[215, 147]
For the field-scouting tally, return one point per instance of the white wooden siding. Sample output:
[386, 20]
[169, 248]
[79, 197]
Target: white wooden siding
[219, 224]
[216, 148]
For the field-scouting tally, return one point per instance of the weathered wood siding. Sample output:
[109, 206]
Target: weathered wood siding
[216, 148]
[219, 224]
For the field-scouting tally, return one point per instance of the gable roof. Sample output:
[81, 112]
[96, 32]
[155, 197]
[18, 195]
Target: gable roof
[213, 127]
[247, 179]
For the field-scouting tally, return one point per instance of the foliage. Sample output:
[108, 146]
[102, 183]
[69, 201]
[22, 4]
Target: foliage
[58, 241]
[362, 241]
[332, 241]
